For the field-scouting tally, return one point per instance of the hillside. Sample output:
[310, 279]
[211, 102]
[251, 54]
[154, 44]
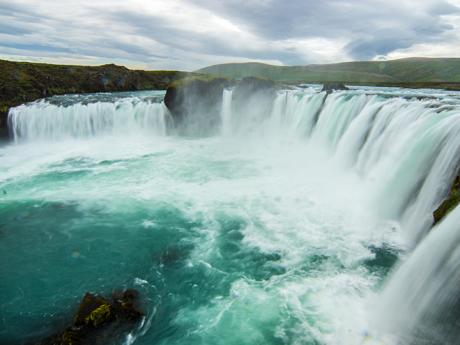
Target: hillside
[414, 72]
[22, 82]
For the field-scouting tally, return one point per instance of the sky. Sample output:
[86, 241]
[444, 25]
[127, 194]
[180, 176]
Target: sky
[191, 34]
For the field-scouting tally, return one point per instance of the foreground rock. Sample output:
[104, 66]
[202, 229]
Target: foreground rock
[100, 320]
[22, 82]
[196, 103]
[330, 87]
[452, 200]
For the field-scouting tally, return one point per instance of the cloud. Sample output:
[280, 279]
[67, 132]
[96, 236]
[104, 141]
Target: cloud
[189, 34]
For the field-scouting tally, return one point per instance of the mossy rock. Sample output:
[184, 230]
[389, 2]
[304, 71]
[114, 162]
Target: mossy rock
[99, 320]
[99, 315]
[89, 309]
[450, 203]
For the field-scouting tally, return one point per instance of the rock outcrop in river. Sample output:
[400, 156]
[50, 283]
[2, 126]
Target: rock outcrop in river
[195, 103]
[100, 320]
[330, 87]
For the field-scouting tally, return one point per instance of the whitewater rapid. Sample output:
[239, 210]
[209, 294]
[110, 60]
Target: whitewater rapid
[281, 229]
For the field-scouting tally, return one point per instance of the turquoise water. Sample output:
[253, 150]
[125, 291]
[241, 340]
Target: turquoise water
[228, 242]
[279, 231]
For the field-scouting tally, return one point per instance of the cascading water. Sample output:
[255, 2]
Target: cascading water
[226, 112]
[421, 304]
[405, 149]
[280, 229]
[74, 117]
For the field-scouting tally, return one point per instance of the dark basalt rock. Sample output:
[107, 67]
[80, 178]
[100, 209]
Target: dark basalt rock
[330, 87]
[3, 123]
[193, 92]
[452, 200]
[100, 320]
[195, 104]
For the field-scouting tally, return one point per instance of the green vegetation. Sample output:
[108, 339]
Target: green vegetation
[22, 82]
[100, 320]
[99, 315]
[450, 203]
[414, 72]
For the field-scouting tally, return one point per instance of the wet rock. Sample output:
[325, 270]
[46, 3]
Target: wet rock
[452, 200]
[195, 104]
[330, 87]
[100, 320]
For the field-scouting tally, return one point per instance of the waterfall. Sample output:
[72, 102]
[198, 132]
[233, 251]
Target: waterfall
[44, 120]
[405, 149]
[226, 112]
[422, 301]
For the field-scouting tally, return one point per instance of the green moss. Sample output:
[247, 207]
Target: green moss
[450, 203]
[69, 337]
[99, 315]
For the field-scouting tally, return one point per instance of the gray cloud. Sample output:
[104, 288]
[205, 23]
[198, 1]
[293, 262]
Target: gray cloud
[210, 43]
[374, 27]
[212, 31]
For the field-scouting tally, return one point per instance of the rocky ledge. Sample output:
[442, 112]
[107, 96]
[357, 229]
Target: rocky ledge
[100, 320]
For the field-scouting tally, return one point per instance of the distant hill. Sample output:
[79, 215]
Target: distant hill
[395, 72]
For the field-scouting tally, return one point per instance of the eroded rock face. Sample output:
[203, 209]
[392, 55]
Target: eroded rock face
[195, 104]
[452, 200]
[100, 320]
